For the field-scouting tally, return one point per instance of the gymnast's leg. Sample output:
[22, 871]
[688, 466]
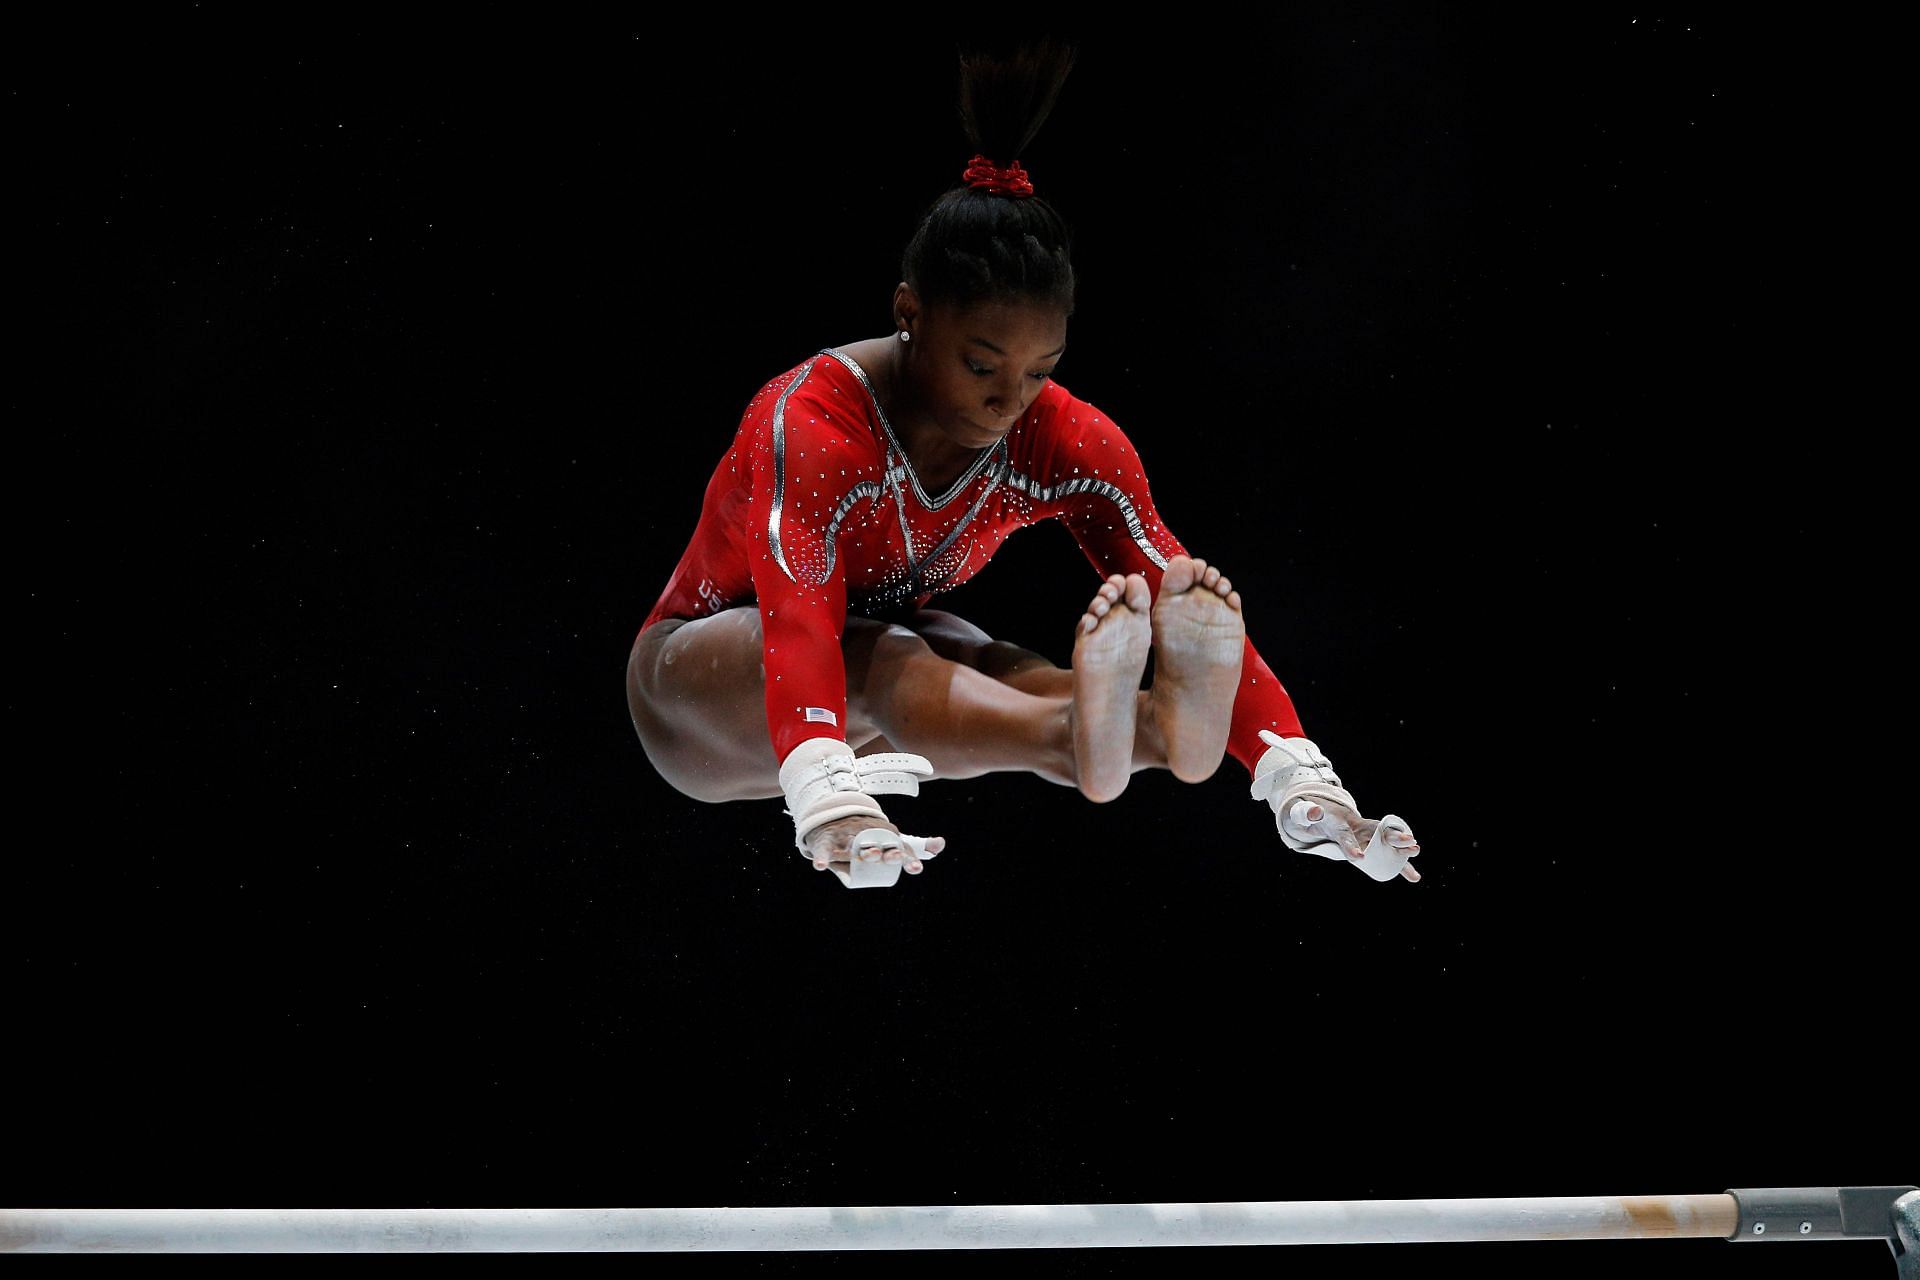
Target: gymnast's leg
[1103, 684]
[695, 691]
[1181, 724]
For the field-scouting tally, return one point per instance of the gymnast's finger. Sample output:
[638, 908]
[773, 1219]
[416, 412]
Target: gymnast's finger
[827, 846]
[920, 847]
[877, 844]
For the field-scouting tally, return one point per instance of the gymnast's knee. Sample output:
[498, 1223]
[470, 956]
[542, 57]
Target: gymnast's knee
[698, 786]
[702, 772]
[864, 639]
[948, 625]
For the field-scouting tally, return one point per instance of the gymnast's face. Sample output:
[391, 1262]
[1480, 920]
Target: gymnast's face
[975, 371]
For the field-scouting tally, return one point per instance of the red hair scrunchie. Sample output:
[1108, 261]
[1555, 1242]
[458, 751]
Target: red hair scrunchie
[1010, 181]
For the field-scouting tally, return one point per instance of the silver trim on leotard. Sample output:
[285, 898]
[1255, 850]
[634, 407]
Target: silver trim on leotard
[980, 461]
[865, 489]
[780, 471]
[993, 481]
[993, 460]
[897, 466]
[1106, 489]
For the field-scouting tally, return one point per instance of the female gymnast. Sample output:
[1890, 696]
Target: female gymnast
[791, 653]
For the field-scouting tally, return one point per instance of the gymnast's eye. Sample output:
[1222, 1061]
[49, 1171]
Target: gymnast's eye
[1037, 377]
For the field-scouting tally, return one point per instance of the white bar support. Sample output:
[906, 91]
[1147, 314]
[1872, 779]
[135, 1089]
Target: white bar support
[1007, 1226]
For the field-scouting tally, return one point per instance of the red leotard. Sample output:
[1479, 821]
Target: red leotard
[815, 513]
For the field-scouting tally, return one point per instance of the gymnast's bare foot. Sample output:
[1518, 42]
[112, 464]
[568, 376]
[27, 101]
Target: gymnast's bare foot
[1199, 639]
[1110, 649]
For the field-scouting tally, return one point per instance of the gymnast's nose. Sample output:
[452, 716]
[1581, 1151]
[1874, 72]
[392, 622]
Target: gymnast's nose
[1005, 406]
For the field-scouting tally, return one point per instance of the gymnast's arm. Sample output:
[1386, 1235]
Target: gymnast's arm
[800, 582]
[1117, 526]
[1114, 521]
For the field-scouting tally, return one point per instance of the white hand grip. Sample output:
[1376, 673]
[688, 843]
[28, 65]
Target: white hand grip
[1383, 860]
[879, 874]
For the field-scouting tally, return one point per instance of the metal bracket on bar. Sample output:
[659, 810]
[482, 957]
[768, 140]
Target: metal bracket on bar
[1834, 1213]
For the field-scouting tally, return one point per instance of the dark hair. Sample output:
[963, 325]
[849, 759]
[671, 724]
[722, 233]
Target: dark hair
[972, 245]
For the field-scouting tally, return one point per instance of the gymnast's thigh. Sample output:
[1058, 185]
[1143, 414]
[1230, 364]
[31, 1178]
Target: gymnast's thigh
[947, 634]
[696, 691]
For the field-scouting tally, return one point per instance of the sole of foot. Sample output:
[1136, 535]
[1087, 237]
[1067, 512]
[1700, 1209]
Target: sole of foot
[1199, 641]
[1110, 648]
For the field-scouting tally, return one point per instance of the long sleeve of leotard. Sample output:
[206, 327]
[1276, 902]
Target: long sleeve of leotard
[1112, 516]
[811, 458]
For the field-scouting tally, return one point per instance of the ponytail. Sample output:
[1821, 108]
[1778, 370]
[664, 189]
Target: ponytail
[991, 239]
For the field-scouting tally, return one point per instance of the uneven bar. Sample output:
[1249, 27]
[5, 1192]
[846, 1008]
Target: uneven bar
[1015, 1226]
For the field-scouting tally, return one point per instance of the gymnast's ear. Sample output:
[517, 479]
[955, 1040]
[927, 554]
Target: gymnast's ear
[906, 306]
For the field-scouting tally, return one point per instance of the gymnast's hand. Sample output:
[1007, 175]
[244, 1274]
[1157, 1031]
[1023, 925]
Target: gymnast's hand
[832, 845]
[1353, 833]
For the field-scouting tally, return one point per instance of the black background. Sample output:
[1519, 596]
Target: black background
[382, 375]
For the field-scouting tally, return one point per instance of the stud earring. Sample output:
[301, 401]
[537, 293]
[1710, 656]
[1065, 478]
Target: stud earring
[903, 335]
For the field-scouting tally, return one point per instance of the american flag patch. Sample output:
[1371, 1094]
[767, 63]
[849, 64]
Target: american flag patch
[821, 713]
